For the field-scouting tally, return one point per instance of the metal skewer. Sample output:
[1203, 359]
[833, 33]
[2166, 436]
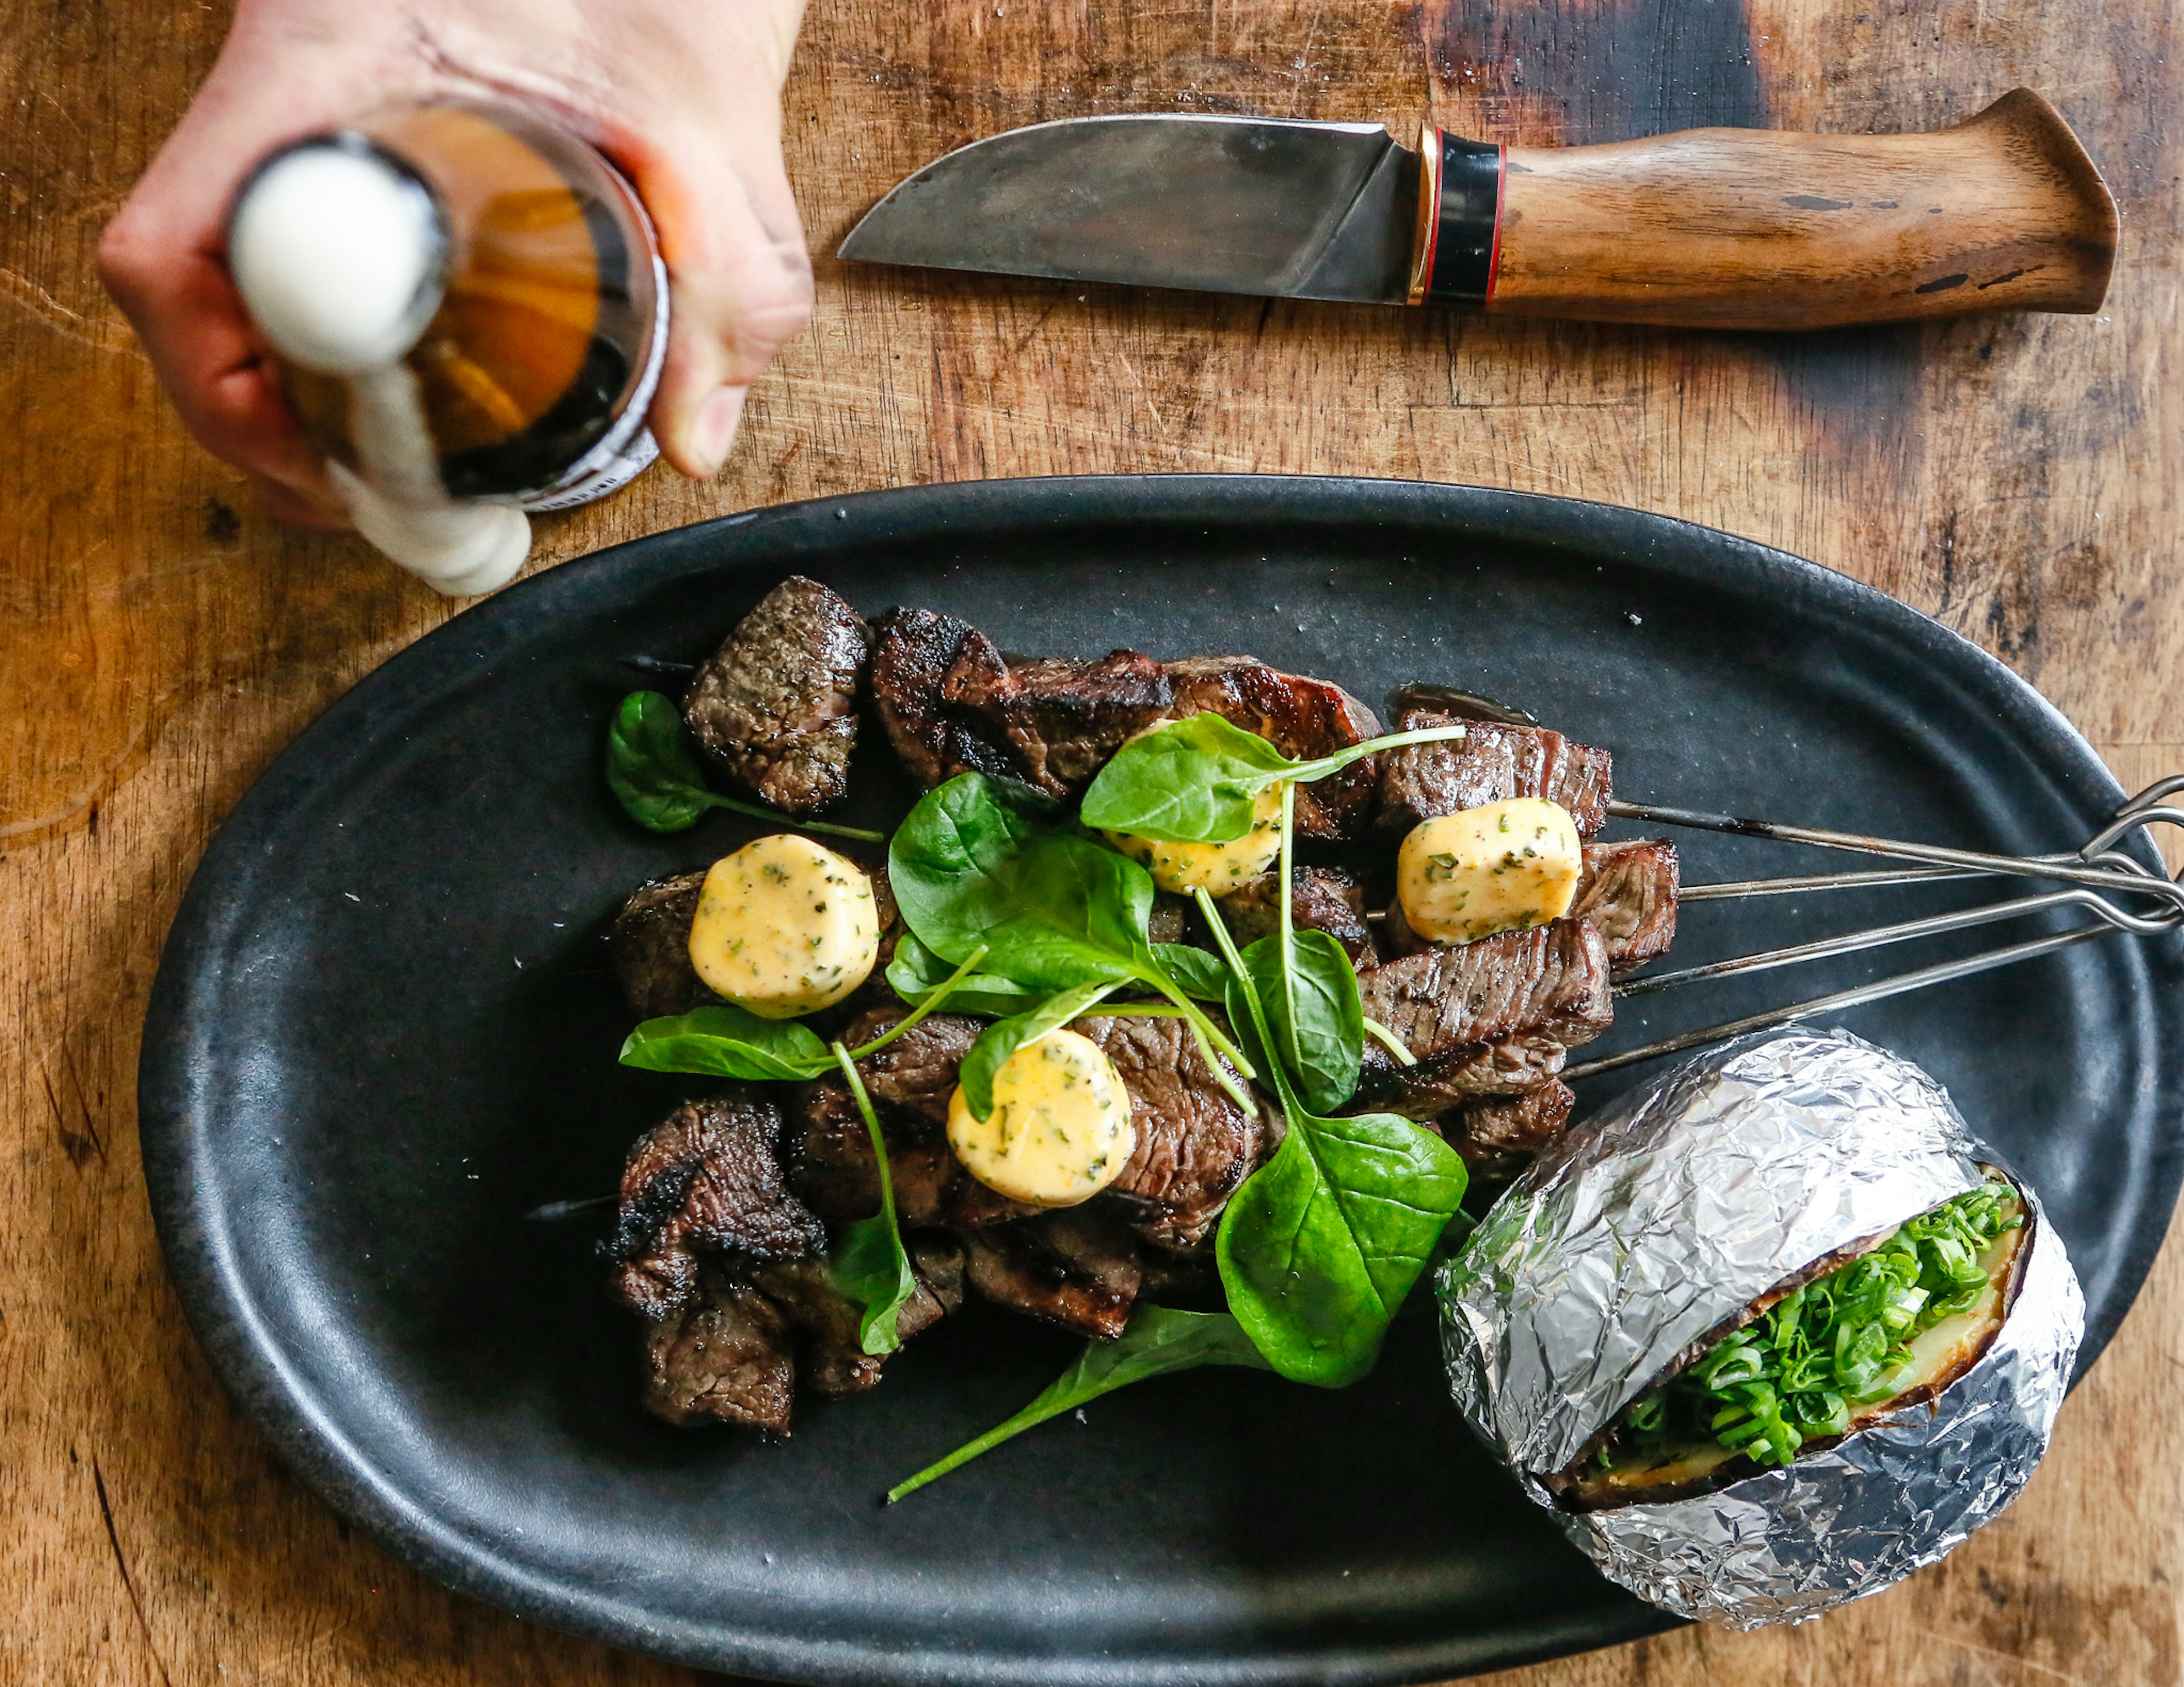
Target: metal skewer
[2096, 868]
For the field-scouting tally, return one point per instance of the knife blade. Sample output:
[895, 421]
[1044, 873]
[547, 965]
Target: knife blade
[1708, 227]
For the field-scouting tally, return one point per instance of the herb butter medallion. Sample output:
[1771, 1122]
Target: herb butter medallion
[785, 927]
[1506, 867]
[1060, 1129]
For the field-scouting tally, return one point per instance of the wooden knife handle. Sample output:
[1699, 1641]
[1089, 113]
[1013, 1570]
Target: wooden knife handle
[1752, 228]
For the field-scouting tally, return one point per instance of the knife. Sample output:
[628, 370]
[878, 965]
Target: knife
[1722, 228]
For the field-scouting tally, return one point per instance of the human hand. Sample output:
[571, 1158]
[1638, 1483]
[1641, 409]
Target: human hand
[684, 99]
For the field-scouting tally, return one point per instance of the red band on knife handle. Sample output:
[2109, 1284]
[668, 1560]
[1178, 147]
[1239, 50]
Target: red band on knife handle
[1459, 240]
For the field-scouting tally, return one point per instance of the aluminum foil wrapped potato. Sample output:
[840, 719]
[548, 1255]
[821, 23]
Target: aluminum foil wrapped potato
[1612, 1285]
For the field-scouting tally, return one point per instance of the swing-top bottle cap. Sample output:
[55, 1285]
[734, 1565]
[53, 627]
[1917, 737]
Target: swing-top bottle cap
[340, 253]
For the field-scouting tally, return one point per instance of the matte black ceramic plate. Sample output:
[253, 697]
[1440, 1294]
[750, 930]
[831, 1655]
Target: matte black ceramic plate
[381, 1032]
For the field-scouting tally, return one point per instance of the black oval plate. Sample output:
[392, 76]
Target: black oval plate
[381, 1032]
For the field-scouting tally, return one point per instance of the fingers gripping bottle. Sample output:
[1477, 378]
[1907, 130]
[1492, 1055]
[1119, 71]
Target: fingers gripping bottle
[469, 310]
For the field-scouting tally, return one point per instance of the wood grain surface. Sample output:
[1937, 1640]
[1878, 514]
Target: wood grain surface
[2018, 477]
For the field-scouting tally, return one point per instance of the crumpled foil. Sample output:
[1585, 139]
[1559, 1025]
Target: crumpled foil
[1674, 1210]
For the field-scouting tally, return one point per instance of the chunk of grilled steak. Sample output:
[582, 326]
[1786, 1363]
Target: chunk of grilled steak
[704, 1181]
[1497, 1134]
[1628, 893]
[1077, 1267]
[1551, 980]
[1194, 1146]
[1491, 763]
[649, 945]
[776, 706]
[916, 655]
[1301, 717]
[830, 1155]
[1064, 718]
[723, 1355]
[834, 1361]
[1514, 1066]
[649, 942]
[1321, 899]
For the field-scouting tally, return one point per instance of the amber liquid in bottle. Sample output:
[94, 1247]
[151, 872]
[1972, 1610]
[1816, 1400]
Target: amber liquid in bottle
[520, 371]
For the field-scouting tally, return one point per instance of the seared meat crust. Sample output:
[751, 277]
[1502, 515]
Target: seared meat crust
[1497, 1134]
[1491, 763]
[722, 1356]
[1551, 979]
[1076, 1267]
[1512, 1067]
[649, 946]
[1194, 1146]
[705, 1180]
[829, 1322]
[1321, 899]
[775, 707]
[1065, 718]
[917, 656]
[1628, 893]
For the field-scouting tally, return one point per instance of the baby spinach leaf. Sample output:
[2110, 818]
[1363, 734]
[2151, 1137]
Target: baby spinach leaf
[978, 862]
[868, 1262]
[1321, 1243]
[1197, 780]
[1313, 1010]
[724, 1040]
[916, 972]
[658, 784]
[1159, 1339]
[1002, 1039]
[1194, 972]
[727, 1040]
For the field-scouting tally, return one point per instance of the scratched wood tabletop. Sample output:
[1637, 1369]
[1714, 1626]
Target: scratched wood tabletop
[161, 639]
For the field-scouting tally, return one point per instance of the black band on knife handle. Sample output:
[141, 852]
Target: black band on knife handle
[1459, 219]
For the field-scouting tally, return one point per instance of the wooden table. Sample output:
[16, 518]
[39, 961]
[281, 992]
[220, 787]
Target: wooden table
[2017, 477]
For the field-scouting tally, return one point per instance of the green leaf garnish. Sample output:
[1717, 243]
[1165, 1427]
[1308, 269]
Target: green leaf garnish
[1158, 1340]
[868, 1263]
[979, 862]
[724, 1040]
[1197, 780]
[658, 781]
[1319, 1248]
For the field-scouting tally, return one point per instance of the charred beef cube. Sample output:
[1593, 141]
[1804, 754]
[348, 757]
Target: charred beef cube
[910, 1082]
[704, 1181]
[1194, 1146]
[1077, 1267]
[1063, 718]
[1551, 979]
[834, 1361]
[1494, 1016]
[1491, 763]
[1514, 1066]
[917, 657]
[723, 1357]
[649, 945]
[1497, 1135]
[776, 707]
[1321, 899]
[1301, 717]
[1628, 893]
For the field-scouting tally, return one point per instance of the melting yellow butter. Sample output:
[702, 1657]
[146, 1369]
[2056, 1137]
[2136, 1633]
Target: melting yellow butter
[1215, 868]
[1060, 1131]
[785, 927]
[1504, 867]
